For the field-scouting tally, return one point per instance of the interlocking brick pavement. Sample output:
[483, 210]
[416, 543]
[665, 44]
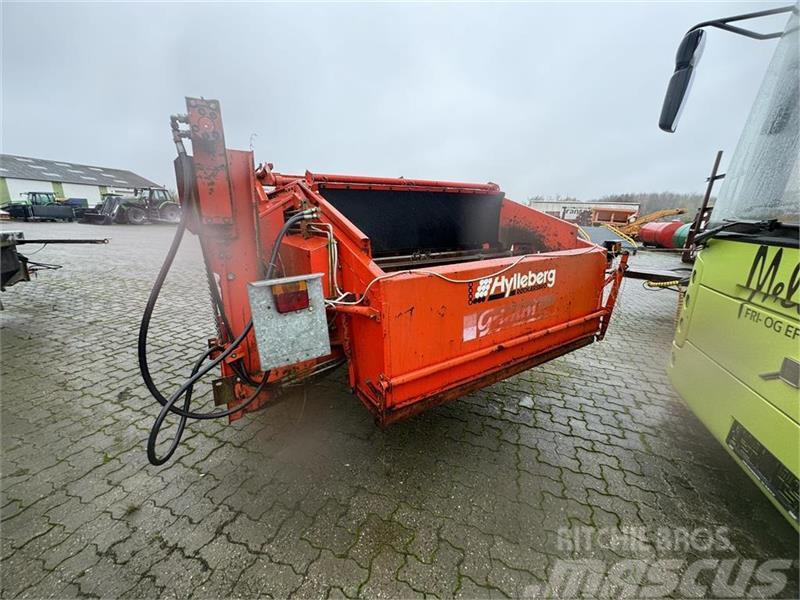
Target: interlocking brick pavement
[309, 498]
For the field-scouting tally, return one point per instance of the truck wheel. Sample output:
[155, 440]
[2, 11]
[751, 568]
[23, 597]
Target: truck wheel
[136, 216]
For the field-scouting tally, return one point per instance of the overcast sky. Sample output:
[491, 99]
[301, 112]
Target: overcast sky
[540, 98]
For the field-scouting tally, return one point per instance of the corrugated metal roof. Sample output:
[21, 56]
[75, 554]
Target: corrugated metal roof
[37, 169]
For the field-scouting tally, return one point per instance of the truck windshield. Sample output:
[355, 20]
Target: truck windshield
[762, 181]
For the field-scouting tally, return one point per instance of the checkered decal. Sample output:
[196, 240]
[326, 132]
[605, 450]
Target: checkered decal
[483, 288]
[481, 293]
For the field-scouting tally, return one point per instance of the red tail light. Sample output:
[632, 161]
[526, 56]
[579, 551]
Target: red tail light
[290, 297]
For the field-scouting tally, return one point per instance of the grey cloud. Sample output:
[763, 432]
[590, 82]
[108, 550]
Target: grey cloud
[541, 98]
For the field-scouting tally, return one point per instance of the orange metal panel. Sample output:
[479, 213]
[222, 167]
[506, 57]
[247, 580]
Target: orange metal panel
[210, 161]
[299, 256]
[521, 224]
[436, 335]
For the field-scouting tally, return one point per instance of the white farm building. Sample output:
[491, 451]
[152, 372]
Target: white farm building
[22, 174]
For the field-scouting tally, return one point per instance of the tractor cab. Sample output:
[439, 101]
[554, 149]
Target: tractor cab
[38, 198]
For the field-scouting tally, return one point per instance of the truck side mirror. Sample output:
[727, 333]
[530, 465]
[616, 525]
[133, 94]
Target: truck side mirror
[686, 60]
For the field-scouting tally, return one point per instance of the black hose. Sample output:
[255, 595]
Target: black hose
[181, 424]
[198, 371]
[144, 326]
[152, 439]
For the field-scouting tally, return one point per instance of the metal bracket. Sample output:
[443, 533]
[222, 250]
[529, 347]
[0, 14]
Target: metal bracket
[224, 392]
[615, 280]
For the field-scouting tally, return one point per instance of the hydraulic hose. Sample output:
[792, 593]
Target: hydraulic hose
[187, 400]
[198, 371]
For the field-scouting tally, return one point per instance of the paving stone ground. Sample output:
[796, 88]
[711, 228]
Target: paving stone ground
[309, 498]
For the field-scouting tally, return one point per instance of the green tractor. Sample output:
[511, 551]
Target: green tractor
[153, 205]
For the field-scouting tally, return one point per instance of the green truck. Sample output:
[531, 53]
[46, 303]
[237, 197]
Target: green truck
[39, 206]
[735, 358]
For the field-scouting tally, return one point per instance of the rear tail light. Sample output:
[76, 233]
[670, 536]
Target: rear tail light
[290, 297]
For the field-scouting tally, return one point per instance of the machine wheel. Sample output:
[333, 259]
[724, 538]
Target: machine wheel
[136, 216]
[170, 212]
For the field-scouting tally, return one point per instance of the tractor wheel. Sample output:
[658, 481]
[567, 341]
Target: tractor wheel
[136, 216]
[170, 212]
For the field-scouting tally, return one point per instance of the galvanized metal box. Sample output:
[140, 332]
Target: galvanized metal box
[288, 338]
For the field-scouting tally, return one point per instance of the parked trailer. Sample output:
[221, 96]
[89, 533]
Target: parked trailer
[427, 290]
[16, 267]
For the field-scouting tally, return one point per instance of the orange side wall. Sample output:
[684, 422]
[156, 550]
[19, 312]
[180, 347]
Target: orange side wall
[428, 321]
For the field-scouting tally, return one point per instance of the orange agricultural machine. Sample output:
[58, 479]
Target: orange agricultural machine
[425, 289]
